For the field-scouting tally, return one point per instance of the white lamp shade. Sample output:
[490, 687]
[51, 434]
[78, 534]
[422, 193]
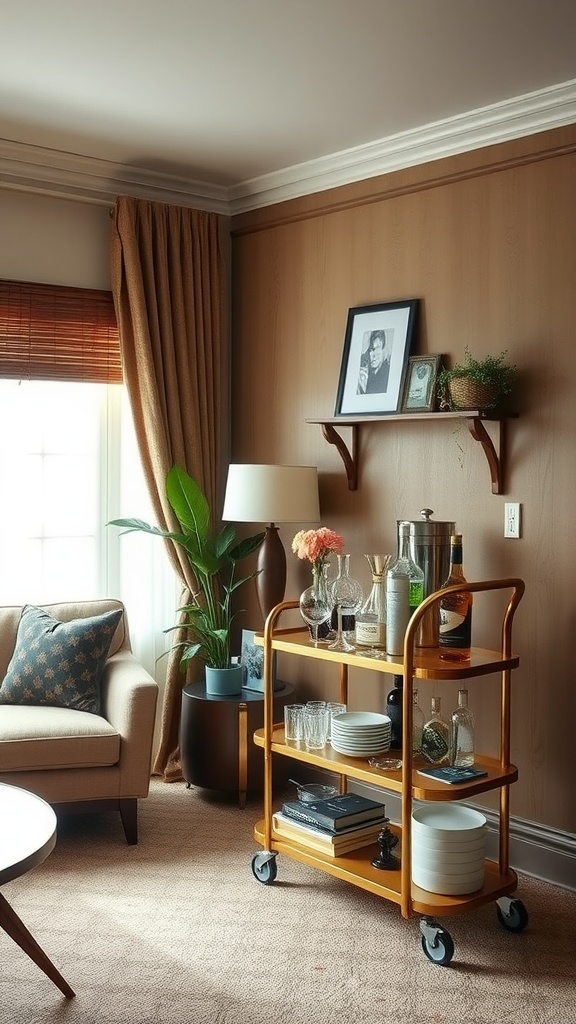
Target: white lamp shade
[271, 494]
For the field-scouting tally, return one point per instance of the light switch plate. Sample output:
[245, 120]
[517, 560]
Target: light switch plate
[512, 519]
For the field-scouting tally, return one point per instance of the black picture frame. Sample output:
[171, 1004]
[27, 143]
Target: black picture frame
[368, 386]
[420, 385]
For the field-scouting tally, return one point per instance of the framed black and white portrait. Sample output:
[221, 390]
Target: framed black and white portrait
[375, 357]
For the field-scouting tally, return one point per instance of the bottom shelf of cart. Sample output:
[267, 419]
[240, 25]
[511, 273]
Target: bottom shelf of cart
[356, 868]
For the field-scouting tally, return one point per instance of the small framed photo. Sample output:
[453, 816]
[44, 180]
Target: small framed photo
[376, 351]
[420, 386]
[252, 661]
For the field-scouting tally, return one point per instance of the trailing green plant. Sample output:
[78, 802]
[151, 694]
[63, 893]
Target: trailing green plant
[213, 558]
[491, 372]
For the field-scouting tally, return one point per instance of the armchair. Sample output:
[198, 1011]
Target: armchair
[77, 760]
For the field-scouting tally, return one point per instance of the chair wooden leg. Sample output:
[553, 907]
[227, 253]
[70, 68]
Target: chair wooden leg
[129, 815]
[16, 929]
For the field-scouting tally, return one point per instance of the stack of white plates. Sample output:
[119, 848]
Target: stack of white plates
[361, 733]
[448, 849]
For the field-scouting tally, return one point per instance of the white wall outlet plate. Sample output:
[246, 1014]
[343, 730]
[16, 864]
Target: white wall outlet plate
[512, 510]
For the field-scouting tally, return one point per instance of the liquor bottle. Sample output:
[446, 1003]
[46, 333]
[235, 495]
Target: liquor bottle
[404, 592]
[417, 724]
[462, 733]
[371, 619]
[455, 611]
[436, 736]
[394, 712]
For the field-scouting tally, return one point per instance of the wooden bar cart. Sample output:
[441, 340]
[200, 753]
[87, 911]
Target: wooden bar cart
[421, 664]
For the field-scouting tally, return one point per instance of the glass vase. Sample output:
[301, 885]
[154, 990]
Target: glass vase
[315, 602]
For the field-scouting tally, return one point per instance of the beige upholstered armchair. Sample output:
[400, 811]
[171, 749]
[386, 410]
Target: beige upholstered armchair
[78, 760]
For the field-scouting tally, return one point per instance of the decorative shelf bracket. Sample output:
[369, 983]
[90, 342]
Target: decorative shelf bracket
[350, 460]
[476, 425]
[495, 459]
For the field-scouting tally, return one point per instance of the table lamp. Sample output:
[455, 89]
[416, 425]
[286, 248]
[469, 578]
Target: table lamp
[271, 494]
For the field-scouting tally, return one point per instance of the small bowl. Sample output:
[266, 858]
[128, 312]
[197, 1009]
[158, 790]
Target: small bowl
[310, 794]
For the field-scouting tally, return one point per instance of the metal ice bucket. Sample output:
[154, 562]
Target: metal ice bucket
[430, 549]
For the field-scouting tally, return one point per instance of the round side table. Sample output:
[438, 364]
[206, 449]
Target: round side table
[216, 746]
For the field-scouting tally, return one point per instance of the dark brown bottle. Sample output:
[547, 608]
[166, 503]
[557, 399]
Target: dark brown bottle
[455, 610]
[394, 712]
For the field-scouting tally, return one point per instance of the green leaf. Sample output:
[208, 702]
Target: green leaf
[188, 503]
[246, 547]
[224, 540]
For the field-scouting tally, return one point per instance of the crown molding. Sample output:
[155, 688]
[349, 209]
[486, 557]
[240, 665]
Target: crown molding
[71, 176]
[501, 122]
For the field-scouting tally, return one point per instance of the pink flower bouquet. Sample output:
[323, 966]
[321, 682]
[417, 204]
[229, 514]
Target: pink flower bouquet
[317, 545]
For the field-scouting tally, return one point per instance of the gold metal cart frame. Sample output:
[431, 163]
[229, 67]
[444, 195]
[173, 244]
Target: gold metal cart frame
[356, 867]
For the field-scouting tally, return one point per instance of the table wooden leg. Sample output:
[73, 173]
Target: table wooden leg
[242, 752]
[14, 927]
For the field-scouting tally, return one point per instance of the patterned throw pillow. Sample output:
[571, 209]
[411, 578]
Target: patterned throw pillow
[59, 663]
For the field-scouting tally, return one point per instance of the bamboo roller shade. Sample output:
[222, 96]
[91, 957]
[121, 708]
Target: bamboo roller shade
[51, 332]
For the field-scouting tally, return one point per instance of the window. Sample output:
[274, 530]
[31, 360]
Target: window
[69, 464]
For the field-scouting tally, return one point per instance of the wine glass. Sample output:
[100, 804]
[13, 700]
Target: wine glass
[314, 609]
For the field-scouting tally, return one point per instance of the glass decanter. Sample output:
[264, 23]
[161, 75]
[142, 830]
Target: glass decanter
[347, 596]
[371, 619]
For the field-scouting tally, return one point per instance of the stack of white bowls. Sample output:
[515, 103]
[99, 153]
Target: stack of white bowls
[448, 849]
[361, 733]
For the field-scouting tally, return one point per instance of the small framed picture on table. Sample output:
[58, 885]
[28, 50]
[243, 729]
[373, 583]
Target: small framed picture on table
[420, 386]
[252, 661]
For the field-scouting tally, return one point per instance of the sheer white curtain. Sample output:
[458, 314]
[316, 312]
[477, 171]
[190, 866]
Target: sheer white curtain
[69, 464]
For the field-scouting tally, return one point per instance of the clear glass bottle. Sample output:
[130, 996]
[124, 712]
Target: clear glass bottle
[417, 724]
[455, 610]
[347, 596]
[436, 736]
[394, 712]
[370, 630]
[462, 733]
[404, 592]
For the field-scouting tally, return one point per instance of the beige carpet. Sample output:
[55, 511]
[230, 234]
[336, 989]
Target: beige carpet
[178, 931]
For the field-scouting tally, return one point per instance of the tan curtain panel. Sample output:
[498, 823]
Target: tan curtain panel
[51, 332]
[168, 287]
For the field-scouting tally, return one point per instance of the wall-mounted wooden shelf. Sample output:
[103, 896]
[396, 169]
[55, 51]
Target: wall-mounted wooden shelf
[475, 419]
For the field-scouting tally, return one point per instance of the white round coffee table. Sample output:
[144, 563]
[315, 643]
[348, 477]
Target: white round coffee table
[27, 836]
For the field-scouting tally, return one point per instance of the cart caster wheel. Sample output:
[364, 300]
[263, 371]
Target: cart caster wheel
[437, 943]
[511, 914]
[264, 867]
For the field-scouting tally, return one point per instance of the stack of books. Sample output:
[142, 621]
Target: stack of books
[333, 827]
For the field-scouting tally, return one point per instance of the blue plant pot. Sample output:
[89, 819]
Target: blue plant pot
[224, 682]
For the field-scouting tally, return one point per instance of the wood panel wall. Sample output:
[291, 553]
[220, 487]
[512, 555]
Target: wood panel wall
[487, 242]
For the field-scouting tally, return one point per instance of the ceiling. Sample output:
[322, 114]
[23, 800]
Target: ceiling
[239, 103]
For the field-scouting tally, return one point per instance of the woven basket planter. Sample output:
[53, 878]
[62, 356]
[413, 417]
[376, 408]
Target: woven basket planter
[469, 394]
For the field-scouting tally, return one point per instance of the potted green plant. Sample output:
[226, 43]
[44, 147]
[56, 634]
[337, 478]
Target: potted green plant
[213, 558]
[476, 383]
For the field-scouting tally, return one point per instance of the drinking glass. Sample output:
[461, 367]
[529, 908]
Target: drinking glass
[334, 707]
[314, 609]
[315, 727]
[293, 726]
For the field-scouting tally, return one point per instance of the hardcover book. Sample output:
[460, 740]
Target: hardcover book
[338, 813]
[330, 843]
[452, 774]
